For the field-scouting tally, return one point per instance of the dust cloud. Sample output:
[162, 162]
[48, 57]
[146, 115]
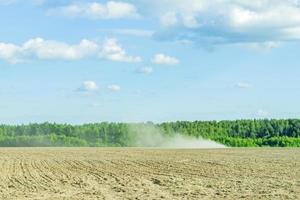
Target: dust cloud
[148, 135]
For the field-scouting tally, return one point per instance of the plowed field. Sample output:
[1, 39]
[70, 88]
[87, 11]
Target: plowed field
[124, 173]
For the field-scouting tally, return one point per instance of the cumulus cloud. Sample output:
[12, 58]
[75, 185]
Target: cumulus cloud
[88, 86]
[130, 32]
[50, 49]
[31, 2]
[163, 59]
[10, 52]
[95, 10]
[114, 88]
[208, 23]
[243, 85]
[259, 46]
[112, 50]
[46, 49]
[169, 19]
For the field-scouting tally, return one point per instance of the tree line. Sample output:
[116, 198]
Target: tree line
[239, 133]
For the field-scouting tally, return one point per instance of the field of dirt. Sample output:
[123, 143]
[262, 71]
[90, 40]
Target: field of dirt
[124, 173]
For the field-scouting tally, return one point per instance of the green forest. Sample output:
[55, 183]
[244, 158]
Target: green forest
[239, 133]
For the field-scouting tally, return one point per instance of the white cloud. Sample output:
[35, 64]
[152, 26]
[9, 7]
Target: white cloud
[243, 85]
[293, 32]
[114, 88]
[243, 18]
[165, 60]
[130, 32]
[112, 50]
[213, 22]
[94, 10]
[172, 18]
[50, 49]
[47, 49]
[259, 46]
[190, 21]
[169, 19]
[145, 70]
[34, 2]
[88, 86]
[10, 52]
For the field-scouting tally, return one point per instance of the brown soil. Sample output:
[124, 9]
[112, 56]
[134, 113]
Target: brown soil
[125, 173]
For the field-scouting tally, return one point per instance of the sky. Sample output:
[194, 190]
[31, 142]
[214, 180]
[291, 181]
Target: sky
[161, 60]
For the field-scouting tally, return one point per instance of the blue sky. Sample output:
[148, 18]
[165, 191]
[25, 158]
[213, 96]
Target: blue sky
[161, 60]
